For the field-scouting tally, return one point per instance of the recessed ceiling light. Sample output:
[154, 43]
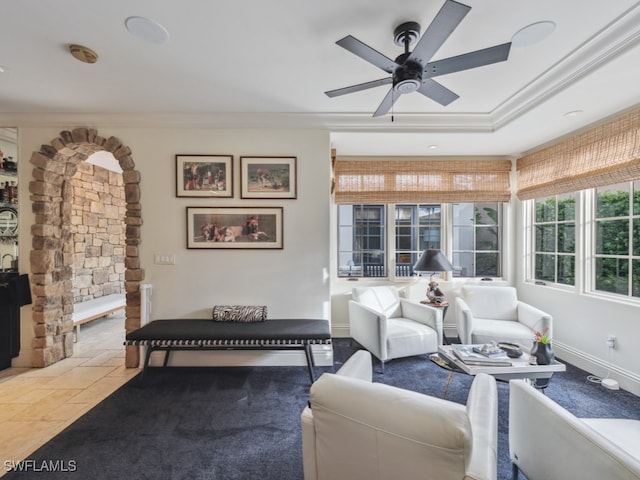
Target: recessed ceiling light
[432, 147]
[532, 34]
[3, 69]
[147, 29]
[574, 113]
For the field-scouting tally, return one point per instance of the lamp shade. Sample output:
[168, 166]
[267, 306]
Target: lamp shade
[433, 261]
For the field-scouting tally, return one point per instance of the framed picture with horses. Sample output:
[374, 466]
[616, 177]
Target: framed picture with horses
[204, 176]
[268, 177]
[234, 227]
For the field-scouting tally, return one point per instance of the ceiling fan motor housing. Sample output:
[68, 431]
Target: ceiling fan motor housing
[407, 77]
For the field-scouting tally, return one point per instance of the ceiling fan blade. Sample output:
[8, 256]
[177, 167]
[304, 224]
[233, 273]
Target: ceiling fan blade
[356, 88]
[446, 21]
[367, 53]
[479, 58]
[437, 92]
[387, 103]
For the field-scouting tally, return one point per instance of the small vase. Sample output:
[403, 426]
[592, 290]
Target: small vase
[543, 353]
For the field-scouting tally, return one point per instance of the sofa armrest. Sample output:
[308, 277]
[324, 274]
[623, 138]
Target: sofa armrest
[534, 318]
[358, 366]
[464, 321]
[424, 314]
[369, 328]
[309, 464]
[482, 409]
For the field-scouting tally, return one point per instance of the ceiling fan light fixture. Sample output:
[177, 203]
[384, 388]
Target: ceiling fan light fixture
[532, 34]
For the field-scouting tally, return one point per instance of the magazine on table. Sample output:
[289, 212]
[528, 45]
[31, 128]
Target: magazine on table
[468, 355]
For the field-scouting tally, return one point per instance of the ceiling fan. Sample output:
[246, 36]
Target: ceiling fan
[413, 71]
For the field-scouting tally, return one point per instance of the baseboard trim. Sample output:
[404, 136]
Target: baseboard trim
[628, 380]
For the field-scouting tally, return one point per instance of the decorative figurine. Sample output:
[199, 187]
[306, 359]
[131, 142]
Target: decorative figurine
[434, 294]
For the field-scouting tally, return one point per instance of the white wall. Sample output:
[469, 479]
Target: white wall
[291, 281]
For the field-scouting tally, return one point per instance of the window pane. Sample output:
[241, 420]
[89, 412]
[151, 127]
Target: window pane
[463, 214]
[546, 238]
[566, 269]
[487, 265]
[487, 238]
[463, 238]
[546, 209]
[612, 237]
[566, 238]
[612, 275]
[567, 207]
[486, 214]
[636, 237]
[462, 264]
[636, 197]
[636, 279]
[545, 267]
[612, 201]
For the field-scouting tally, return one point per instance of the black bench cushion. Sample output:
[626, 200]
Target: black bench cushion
[205, 329]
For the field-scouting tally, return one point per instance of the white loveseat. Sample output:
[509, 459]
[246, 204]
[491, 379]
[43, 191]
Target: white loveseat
[390, 326]
[485, 313]
[358, 430]
[548, 442]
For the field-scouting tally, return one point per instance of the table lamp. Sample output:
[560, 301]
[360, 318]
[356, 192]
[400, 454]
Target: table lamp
[433, 261]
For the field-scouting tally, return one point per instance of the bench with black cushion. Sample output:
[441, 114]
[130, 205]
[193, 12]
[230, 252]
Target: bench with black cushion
[205, 334]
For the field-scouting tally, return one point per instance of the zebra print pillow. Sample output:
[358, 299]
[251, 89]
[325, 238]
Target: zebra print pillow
[239, 313]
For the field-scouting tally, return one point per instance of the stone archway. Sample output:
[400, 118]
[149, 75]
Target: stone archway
[51, 254]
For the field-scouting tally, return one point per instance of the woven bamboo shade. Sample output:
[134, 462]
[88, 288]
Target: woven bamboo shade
[605, 155]
[421, 179]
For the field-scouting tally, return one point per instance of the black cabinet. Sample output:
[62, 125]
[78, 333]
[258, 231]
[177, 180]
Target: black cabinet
[9, 320]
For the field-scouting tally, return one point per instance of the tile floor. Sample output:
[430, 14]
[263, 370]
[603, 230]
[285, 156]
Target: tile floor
[38, 403]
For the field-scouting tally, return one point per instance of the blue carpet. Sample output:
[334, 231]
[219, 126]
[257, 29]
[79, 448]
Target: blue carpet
[244, 422]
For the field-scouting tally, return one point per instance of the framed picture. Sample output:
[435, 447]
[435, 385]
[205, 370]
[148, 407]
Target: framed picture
[268, 177]
[204, 176]
[234, 227]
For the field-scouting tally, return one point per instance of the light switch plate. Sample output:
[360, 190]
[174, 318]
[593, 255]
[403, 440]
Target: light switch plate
[164, 259]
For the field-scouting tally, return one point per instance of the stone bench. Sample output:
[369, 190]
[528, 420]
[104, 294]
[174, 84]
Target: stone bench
[205, 334]
[96, 308]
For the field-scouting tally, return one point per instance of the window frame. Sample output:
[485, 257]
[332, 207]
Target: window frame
[446, 240]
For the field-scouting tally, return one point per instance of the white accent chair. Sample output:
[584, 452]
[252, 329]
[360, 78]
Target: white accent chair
[486, 313]
[546, 441]
[393, 327]
[354, 429]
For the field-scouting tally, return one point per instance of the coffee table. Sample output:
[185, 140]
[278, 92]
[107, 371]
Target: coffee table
[520, 367]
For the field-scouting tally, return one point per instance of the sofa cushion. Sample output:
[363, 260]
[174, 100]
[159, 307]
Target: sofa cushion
[495, 302]
[383, 299]
[484, 331]
[625, 433]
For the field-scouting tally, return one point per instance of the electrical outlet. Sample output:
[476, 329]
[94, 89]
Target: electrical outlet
[611, 341]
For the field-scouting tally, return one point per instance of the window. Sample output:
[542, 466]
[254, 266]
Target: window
[555, 239]
[616, 239]
[476, 232]
[361, 241]
[477, 239]
[417, 228]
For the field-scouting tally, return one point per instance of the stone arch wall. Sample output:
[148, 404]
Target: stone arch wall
[52, 254]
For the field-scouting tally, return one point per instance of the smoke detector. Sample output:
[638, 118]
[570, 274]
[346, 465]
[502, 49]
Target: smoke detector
[82, 53]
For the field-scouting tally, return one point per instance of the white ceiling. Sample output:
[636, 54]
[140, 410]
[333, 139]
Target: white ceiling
[268, 63]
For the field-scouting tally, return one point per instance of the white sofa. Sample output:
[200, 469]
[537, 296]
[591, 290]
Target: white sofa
[548, 442]
[485, 313]
[393, 327]
[358, 430]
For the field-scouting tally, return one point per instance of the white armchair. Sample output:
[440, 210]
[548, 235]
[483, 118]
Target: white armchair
[354, 429]
[391, 327]
[485, 313]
